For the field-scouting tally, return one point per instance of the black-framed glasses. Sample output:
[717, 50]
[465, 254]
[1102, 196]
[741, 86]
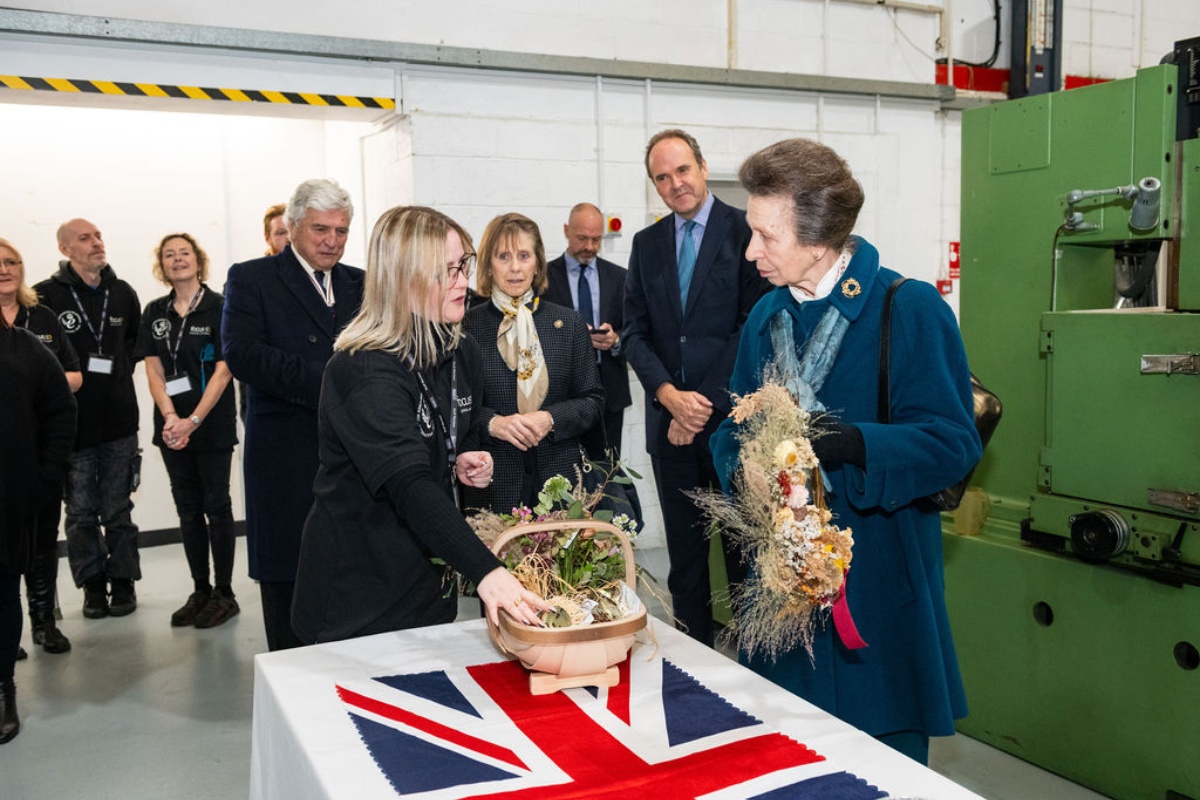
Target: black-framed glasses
[12, 263]
[464, 267]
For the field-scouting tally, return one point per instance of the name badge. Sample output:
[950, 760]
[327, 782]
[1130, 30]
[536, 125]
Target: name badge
[101, 365]
[178, 384]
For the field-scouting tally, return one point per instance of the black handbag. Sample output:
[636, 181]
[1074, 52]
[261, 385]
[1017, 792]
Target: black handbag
[605, 469]
[988, 407]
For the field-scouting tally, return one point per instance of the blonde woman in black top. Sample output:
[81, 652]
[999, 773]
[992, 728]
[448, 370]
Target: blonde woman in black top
[21, 309]
[399, 440]
[194, 421]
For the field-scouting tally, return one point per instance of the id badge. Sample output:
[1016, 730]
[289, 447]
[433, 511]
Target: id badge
[178, 384]
[101, 365]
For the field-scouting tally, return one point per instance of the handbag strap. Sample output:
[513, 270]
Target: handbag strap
[885, 353]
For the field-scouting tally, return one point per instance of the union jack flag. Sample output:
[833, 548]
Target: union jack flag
[661, 734]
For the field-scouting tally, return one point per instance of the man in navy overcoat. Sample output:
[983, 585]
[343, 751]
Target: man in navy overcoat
[282, 315]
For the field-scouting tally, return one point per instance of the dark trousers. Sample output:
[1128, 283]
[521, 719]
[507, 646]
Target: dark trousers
[277, 614]
[689, 469]
[200, 487]
[10, 621]
[99, 488]
[614, 424]
[601, 439]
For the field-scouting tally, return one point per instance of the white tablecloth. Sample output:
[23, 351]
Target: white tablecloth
[307, 740]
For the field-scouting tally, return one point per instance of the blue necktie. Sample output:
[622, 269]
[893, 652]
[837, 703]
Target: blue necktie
[583, 291]
[687, 262]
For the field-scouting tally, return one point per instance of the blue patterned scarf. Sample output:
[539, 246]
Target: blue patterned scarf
[804, 373]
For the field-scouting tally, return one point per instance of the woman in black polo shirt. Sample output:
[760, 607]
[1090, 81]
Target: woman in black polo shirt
[194, 421]
[399, 438]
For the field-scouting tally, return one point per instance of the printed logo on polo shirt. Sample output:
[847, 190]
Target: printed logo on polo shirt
[116, 322]
[70, 321]
[424, 418]
[160, 328]
[200, 330]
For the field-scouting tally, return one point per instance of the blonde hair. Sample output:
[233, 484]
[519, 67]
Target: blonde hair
[26, 297]
[406, 273]
[503, 230]
[201, 257]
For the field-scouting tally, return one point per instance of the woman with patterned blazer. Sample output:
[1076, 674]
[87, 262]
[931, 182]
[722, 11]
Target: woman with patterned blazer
[542, 390]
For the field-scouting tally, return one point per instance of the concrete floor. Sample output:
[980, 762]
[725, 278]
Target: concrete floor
[139, 709]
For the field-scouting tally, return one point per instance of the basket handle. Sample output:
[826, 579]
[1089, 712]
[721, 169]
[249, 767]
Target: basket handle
[572, 524]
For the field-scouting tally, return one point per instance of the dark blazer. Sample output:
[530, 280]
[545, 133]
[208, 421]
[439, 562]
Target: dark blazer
[278, 334]
[692, 348]
[614, 374]
[574, 398]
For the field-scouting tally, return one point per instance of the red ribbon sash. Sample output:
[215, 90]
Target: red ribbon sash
[843, 623]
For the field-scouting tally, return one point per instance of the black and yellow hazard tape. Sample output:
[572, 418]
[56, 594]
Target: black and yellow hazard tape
[191, 92]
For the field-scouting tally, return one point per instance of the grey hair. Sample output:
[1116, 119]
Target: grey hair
[318, 194]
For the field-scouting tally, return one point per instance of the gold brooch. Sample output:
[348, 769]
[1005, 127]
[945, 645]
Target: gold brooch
[850, 288]
[558, 323]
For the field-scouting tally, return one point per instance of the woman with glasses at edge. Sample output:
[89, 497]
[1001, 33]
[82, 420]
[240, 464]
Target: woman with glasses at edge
[21, 309]
[399, 439]
[195, 424]
[35, 440]
[542, 388]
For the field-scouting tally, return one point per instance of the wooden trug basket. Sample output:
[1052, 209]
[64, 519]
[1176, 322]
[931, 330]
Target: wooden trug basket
[564, 658]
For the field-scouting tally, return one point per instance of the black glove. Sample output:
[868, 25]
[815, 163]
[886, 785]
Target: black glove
[835, 443]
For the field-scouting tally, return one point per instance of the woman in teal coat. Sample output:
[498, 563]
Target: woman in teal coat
[823, 325]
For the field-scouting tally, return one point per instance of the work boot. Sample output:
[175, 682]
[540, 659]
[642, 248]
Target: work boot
[95, 597]
[10, 723]
[124, 598]
[220, 607]
[185, 617]
[47, 634]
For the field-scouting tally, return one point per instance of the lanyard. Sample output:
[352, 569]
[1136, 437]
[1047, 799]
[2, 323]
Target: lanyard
[174, 348]
[449, 433]
[326, 289]
[103, 318]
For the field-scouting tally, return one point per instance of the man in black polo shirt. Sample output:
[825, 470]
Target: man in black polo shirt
[100, 315]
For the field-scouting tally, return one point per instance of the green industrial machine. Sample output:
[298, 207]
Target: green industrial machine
[1076, 607]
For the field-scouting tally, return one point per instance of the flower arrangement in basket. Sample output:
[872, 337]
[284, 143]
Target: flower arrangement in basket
[579, 558]
[778, 516]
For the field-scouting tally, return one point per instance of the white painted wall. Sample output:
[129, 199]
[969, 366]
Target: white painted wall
[139, 175]
[477, 143]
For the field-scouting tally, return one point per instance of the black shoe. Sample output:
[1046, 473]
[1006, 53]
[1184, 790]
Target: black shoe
[185, 617]
[220, 607]
[95, 598]
[50, 637]
[21, 654]
[10, 723]
[124, 598]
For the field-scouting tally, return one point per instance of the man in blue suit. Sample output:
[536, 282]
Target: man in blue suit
[282, 314]
[688, 291]
[603, 293]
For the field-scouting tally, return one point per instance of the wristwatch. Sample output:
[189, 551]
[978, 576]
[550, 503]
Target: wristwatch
[195, 420]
